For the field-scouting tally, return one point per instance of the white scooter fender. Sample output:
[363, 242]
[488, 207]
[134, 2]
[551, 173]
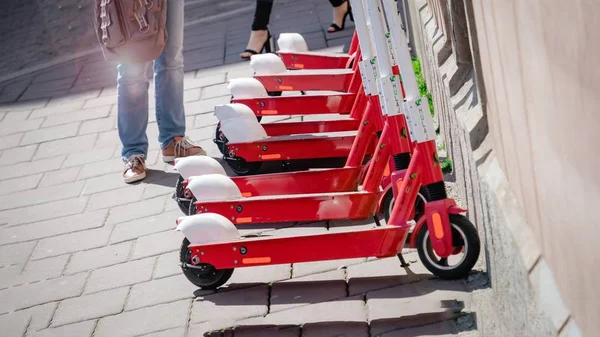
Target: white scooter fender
[214, 187]
[246, 88]
[292, 43]
[239, 123]
[207, 228]
[267, 64]
[197, 166]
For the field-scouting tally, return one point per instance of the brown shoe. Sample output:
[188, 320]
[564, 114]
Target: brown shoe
[181, 147]
[135, 169]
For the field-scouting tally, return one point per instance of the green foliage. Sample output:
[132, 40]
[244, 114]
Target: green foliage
[421, 83]
[446, 165]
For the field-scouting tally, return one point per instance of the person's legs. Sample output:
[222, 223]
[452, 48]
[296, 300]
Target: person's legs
[168, 88]
[340, 8]
[132, 118]
[259, 34]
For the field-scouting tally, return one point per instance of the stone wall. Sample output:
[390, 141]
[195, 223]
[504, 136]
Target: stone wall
[517, 294]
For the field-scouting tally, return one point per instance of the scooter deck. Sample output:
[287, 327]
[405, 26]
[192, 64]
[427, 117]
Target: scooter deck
[299, 182]
[288, 128]
[314, 60]
[300, 105]
[380, 242]
[305, 80]
[354, 205]
[296, 146]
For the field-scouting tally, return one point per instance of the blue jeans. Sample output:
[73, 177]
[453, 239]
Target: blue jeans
[132, 92]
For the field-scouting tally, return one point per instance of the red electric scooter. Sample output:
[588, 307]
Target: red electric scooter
[213, 247]
[295, 54]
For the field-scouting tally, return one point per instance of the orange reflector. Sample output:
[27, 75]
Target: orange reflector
[299, 65]
[438, 230]
[286, 87]
[399, 183]
[254, 260]
[246, 194]
[387, 170]
[271, 156]
[268, 112]
[244, 220]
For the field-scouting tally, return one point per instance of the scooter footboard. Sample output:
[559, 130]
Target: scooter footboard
[300, 105]
[299, 182]
[293, 147]
[287, 208]
[307, 80]
[248, 252]
[290, 128]
[314, 60]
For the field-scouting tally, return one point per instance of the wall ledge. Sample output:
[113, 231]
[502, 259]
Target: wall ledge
[524, 299]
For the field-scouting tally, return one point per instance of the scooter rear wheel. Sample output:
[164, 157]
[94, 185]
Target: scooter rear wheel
[465, 241]
[192, 208]
[182, 201]
[243, 168]
[203, 275]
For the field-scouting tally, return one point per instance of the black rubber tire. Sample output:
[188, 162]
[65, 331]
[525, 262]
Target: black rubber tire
[184, 206]
[210, 279]
[471, 236]
[218, 134]
[192, 208]
[389, 198]
[244, 168]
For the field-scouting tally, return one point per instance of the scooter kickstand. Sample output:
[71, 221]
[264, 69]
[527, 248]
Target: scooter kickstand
[403, 263]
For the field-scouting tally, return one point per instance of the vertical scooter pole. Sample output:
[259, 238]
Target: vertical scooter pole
[370, 119]
[394, 139]
[369, 73]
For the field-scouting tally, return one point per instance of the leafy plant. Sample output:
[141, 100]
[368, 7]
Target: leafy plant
[446, 165]
[421, 83]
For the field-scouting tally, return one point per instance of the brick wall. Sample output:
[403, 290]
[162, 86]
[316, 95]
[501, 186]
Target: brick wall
[480, 77]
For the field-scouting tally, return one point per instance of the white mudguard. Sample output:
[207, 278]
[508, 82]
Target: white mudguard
[214, 187]
[246, 88]
[267, 64]
[233, 110]
[292, 43]
[207, 228]
[239, 123]
[197, 166]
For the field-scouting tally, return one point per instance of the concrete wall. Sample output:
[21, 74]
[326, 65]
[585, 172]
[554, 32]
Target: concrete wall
[516, 90]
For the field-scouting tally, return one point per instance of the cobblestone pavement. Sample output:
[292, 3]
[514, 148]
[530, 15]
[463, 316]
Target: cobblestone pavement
[37, 33]
[83, 254]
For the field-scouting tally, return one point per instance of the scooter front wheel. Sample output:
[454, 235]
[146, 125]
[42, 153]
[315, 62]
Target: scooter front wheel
[202, 275]
[466, 246]
[387, 204]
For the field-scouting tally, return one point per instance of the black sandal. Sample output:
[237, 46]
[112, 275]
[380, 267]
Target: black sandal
[266, 47]
[338, 28]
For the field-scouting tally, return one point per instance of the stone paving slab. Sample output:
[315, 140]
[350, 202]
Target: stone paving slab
[83, 254]
[215, 33]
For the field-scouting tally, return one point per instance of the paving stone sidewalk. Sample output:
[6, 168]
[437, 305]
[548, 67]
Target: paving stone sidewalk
[83, 254]
[38, 33]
